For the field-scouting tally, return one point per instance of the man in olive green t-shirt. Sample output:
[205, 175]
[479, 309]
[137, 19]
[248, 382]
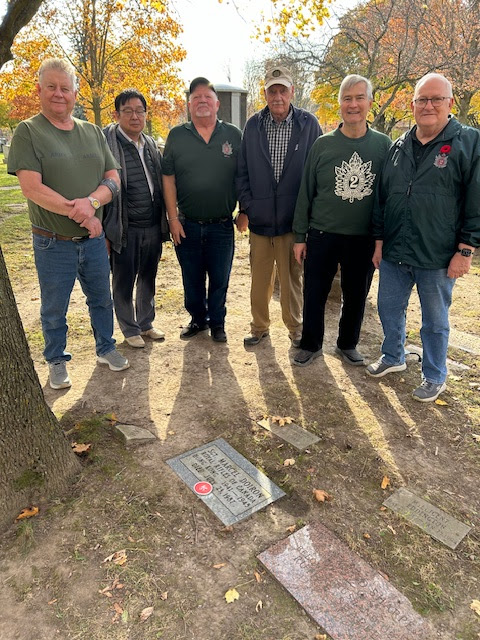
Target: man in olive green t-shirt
[332, 222]
[199, 166]
[67, 174]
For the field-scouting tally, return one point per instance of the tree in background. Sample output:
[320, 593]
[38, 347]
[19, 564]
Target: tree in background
[113, 44]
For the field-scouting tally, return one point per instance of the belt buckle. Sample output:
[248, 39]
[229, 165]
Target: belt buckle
[77, 238]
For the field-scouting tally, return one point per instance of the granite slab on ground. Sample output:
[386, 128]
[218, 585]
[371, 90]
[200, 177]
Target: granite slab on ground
[231, 486]
[342, 593]
[431, 519]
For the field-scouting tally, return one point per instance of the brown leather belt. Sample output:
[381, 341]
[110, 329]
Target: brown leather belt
[50, 234]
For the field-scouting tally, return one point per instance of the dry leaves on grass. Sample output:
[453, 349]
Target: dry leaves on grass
[289, 462]
[219, 565]
[112, 418]
[29, 512]
[476, 437]
[81, 448]
[441, 402]
[116, 584]
[385, 482]
[321, 636]
[146, 613]
[475, 606]
[119, 557]
[164, 595]
[291, 528]
[322, 496]
[258, 577]
[259, 606]
[282, 421]
[231, 595]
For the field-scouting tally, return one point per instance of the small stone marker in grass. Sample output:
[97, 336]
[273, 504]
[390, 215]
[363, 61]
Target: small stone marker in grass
[134, 435]
[300, 438]
[432, 520]
[225, 481]
[342, 593]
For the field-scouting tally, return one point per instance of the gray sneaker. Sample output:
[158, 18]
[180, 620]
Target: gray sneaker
[115, 360]
[305, 357]
[351, 356]
[254, 339]
[380, 368]
[58, 375]
[428, 391]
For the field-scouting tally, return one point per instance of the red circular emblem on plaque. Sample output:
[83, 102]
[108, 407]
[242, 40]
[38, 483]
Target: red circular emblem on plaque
[203, 488]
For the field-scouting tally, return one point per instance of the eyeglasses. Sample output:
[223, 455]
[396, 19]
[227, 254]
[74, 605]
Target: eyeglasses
[129, 112]
[436, 102]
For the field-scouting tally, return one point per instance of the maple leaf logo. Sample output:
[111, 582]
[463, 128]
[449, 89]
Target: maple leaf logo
[354, 179]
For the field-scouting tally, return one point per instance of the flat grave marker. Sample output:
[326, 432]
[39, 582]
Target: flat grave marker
[342, 593]
[300, 438]
[431, 519]
[225, 481]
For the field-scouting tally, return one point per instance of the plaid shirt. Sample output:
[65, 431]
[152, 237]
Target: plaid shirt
[278, 136]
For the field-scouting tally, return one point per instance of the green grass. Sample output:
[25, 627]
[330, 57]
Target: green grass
[5, 179]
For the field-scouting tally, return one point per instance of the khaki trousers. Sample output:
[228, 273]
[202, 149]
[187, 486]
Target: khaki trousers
[265, 253]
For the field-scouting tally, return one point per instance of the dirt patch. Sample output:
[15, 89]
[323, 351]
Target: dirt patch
[189, 393]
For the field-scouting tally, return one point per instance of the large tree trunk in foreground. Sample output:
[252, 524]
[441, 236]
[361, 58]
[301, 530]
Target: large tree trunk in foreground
[18, 14]
[35, 456]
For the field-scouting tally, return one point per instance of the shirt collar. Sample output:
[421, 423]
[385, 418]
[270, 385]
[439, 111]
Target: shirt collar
[287, 120]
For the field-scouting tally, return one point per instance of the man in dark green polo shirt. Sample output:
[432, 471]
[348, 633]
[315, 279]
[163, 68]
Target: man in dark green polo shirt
[198, 182]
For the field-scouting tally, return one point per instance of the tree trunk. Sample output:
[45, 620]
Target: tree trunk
[35, 455]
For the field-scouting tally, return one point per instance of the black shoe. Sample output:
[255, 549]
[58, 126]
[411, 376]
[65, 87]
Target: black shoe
[305, 357]
[252, 340]
[218, 334]
[192, 329]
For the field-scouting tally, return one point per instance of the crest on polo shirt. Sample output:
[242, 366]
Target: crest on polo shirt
[354, 179]
[227, 149]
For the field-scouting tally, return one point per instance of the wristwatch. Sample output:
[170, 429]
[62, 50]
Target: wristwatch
[94, 202]
[466, 253]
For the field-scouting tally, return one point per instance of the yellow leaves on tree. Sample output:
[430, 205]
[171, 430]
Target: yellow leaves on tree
[113, 45]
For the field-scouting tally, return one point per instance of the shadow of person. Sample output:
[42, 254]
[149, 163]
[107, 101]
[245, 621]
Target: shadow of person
[209, 402]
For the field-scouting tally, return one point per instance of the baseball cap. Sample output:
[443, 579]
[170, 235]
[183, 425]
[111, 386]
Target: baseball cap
[278, 75]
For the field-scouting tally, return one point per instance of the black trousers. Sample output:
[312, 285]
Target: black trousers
[325, 251]
[136, 264]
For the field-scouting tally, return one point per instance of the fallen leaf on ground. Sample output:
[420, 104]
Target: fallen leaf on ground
[258, 577]
[164, 595]
[52, 601]
[231, 595]
[79, 447]
[475, 606]
[282, 421]
[227, 529]
[321, 636]
[441, 402]
[322, 496]
[259, 606]
[118, 608]
[146, 613]
[29, 512]
[391, 529]
[289, 462]
[366, 536]
[219, 565]
[112, 418]
[291, 528]
[119, 557]
[385, 482]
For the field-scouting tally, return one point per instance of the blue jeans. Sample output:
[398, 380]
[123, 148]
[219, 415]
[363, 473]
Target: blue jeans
[59, 263]
[434, 289]
[207, 250]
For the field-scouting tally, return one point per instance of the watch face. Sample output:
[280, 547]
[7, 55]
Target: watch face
[466, 252]
[95, 203]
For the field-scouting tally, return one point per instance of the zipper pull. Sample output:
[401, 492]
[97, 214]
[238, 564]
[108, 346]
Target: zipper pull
[409, 189]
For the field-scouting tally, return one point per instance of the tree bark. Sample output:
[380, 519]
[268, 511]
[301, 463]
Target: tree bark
[35, 456]
[19, 13]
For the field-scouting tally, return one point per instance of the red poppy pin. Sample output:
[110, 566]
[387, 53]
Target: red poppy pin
[441, 158]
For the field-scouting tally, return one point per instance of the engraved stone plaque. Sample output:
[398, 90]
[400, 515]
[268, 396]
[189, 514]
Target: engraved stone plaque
[342, 593]
[291, 433]
[432, 520]
[238, 489]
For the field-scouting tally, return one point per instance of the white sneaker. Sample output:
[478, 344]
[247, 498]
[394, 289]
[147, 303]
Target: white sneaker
[58, 375]
[137, 342]
[154, 334]
[115, 360]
